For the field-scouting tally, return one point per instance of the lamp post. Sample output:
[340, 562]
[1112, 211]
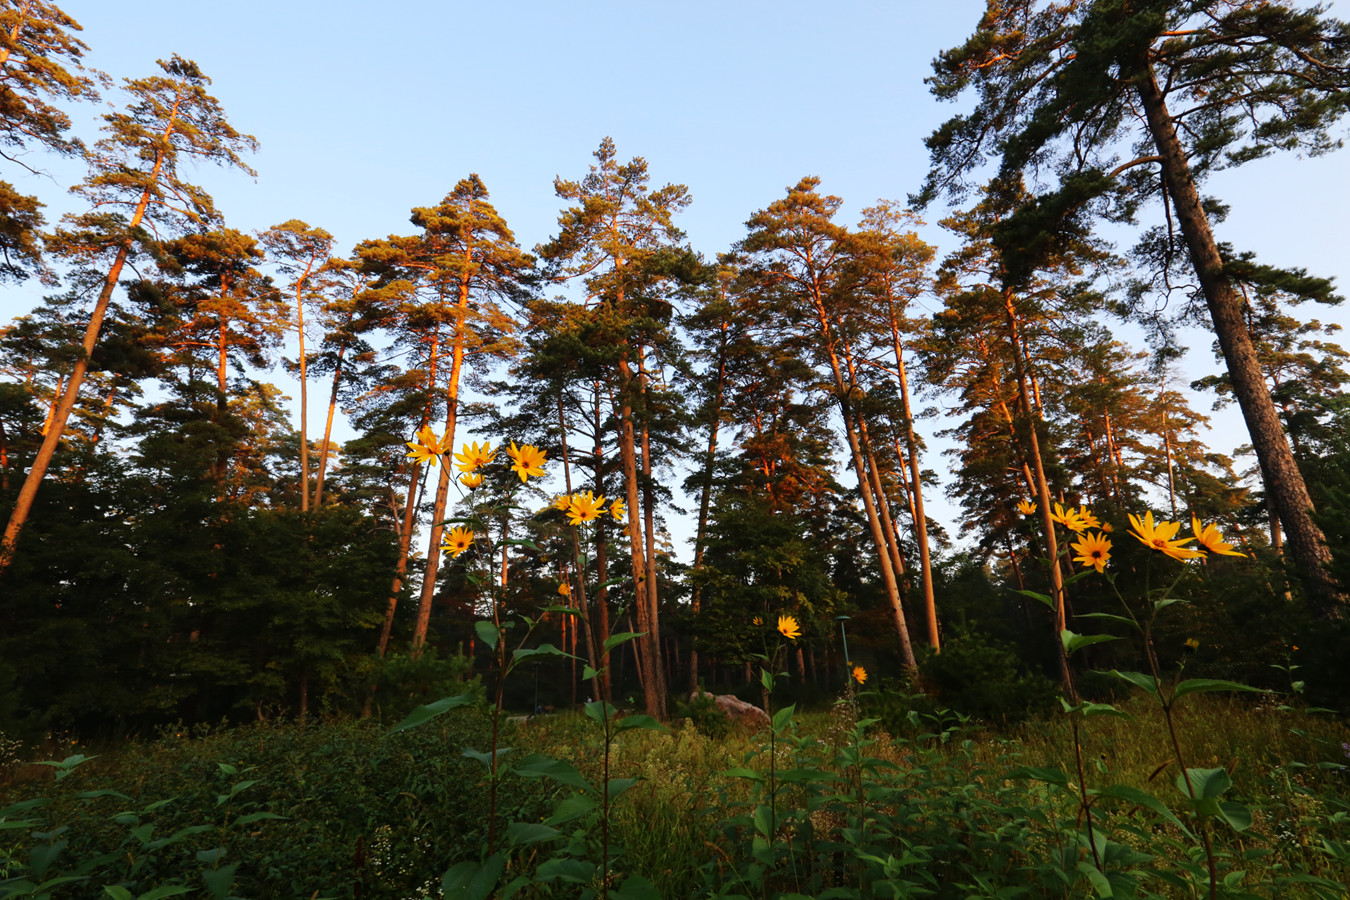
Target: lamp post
[843, 635]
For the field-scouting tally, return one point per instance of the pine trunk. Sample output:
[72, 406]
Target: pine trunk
[1283, 480]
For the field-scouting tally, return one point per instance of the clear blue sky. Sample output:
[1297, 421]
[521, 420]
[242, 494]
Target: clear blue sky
[364, 110]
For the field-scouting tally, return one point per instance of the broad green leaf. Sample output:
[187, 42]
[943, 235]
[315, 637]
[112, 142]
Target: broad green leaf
[471, 880]
[740, 772]
[624, 723]
[531, 833]
[562, 610]
[1238, 817]
[521, 542]
[622, 637]
[1209, 784]
[487, 632]
[1110, 617]
[587, 673]
[431, 710]
[1038, 773]
[484, 758]
[536, 765]
[117, 892]
[568, 871]
[618, 785]
[782, 717]
[1139, 680]
[1041, 597]
[1159, 605]
[599, 710]
[573, 807]
[165, 890]
[1147, 801]
[766, 679]
[542, 650]
[635, 887]
[1205, 685]
[219, 881]
[252, 817]
[763, 820]
[1075, 642]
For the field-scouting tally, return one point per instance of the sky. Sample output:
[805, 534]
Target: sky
[363, 111]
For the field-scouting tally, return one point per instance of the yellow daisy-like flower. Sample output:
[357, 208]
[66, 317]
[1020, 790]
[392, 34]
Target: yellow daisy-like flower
[757, 620]
[1209, 538]
[426, 447]
[1026, 507]
[475, 457]
[526, 461]
[565, 589]
[616, 510]
[584, 508]
[1093, 550]
[1192, 644]
[1161, 537]
[457, 540]
[1069, 519]
[788, 628]
[562, 501]
[860, 674]
[471, 480]
[1088, 519]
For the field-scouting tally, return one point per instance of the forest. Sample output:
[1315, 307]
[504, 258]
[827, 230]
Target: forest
[234, 560]
[528, 433]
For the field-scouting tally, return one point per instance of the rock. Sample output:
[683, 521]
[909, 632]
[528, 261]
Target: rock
[736, 709]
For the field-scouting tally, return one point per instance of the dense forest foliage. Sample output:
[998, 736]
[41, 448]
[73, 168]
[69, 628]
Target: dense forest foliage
[181, 546]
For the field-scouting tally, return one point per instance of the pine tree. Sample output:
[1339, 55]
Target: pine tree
[1067, 87]
[134, 184]
[39, 69]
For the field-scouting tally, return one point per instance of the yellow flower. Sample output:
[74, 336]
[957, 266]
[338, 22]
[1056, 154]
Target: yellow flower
[475, 457]
[1192, 644]
[616, 510]
[1026, 507]
[1160, 537]
[757, 620]
[860, 674]
[1209, 538]
[457, 540]
[562, 501]
[526, 461]
[471, 480]
[584, 508]
[1107, 527]
[1069, 519]
[1088, 519]
[1093, 550]
[426, 448]
[565, 589]
[787, 627]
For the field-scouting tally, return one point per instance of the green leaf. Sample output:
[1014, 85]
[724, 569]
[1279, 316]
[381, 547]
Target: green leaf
[1208, 784]
[471, 880]
[763, 820]
[1110, 617]
[1160, 605]
[430, 711]
[252, 817]
[741, 772]
[562, 610]
[487, 632]
[117, 892]
[165, 890]
[536, 765]
[618, 786]
[1147, 801]
[624, 723]
[484, 758]
[1041, 597]
[1238, 817]
[635, 887]
[782, 717]
[531, 833]
[520, 656]
[766, 679]
[522, 542]
[1075, 642]
[1139, 680]
[573, 807]
[568, 871]
[1038, 773]
[1205, 685]
[219, 881]
[622, 637]
[587, 673]
[599, 710]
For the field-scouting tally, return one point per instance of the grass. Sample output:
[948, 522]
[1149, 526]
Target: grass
[928, 808]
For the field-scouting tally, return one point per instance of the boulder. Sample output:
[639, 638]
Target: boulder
[736, 709]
